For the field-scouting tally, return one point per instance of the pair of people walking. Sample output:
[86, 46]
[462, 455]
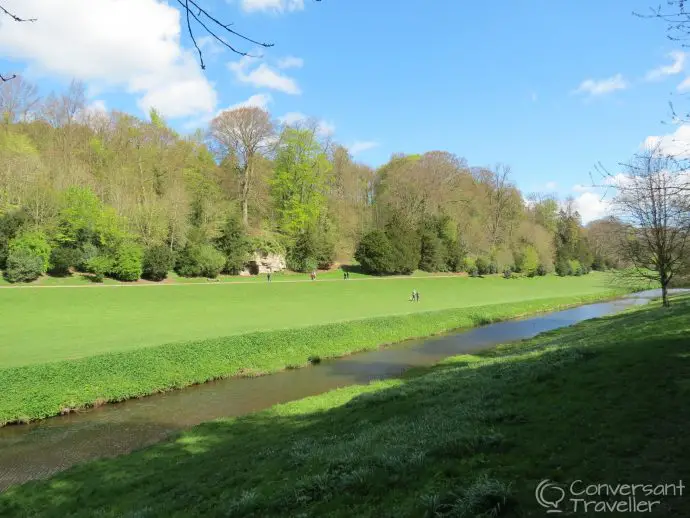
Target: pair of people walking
[346, 274]
[415, 296]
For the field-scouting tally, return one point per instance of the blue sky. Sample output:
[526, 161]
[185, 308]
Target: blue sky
[489, 81]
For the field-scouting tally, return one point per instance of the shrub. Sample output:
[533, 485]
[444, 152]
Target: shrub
[468, 264]
[507, 273]
[235, 246]
[375, 253]
[473, 271]
[158, 261]
[527, 261]
[200, 261]
[482, 266]
[127, 263]
[36, 244]
[541, 270]
[88, 251]
[10, 226]
[23, 266]
[325, 251]
[493, 267]
[301, 256]
[62, 260]
[99, 266]
[574, 267]
[562, 268]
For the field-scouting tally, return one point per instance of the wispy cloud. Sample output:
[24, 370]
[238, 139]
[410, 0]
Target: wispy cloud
[595, 87]
[360, 146]
[323, 128]
[291, 62]
[274, 6]
[260, 75]
[676, 67]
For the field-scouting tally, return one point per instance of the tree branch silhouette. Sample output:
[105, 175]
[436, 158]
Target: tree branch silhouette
[193, 12]
[19, 19]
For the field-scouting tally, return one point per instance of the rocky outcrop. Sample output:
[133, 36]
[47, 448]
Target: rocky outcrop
[264, 263]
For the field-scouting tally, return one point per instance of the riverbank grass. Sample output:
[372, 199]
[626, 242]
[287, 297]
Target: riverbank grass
[604, 402]
[37, 391]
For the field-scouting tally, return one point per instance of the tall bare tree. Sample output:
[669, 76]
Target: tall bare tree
[245, 133]
[651, 199]
[17, 99]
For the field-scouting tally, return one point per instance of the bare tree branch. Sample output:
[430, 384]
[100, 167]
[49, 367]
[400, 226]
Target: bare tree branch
[16, 18]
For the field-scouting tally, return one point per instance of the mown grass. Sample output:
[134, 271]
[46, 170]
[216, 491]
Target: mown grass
[46, 325]
[603, 402]
[37, 391]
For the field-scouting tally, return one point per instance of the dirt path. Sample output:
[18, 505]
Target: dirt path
[221, 283]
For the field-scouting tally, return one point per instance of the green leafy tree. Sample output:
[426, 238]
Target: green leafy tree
[299, 183]
[405, 242]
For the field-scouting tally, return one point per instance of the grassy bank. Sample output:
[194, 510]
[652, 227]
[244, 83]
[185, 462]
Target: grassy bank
[37, 391]
[604, 402]
[47, 325]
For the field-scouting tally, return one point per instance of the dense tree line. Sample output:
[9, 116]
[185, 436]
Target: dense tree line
[114, 195]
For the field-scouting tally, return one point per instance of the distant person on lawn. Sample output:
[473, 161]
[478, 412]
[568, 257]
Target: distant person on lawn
[268, 276]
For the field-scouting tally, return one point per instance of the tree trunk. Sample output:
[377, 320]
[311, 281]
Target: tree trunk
[664, 295]
[245, 212]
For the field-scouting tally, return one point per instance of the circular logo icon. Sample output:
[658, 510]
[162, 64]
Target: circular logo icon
[549, 495]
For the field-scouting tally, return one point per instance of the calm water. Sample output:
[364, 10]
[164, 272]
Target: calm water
[39, 449]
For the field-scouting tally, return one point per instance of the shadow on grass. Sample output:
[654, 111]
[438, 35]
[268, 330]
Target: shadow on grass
[604, 402]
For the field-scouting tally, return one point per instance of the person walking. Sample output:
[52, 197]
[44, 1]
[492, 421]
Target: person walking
[413, 298]
[268, 276]
[416, 296]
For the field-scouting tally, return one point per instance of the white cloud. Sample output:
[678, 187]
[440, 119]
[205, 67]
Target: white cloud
[323, 128]
[551, 186]
[97, 105]
[291, 118]
[600, 87]
[591, 206]
[684, 86]
[122, 44]
[676, 144]
[674, 68]
[255, 101]
[263, 76]
[360, 146]
[276, 6]
[580, 188]
[291, 62]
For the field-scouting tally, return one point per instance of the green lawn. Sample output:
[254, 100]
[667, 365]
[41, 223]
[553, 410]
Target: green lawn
[604, 402]
[50, 324]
